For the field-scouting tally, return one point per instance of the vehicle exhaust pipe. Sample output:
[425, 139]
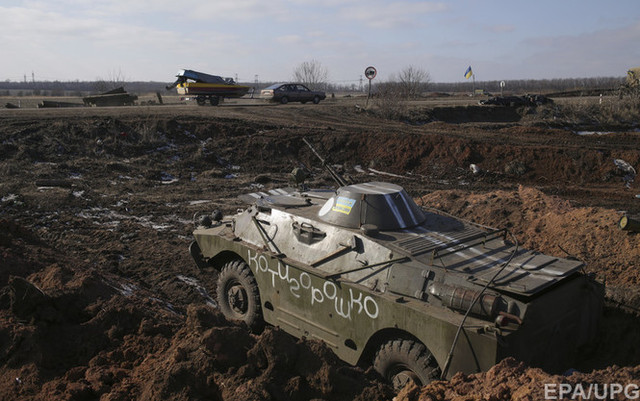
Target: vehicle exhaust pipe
[461, 298]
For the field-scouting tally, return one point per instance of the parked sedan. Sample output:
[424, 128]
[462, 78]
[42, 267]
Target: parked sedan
[285, 93]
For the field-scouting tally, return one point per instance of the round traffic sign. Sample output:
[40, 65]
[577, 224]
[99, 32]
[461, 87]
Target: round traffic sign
[370, 72]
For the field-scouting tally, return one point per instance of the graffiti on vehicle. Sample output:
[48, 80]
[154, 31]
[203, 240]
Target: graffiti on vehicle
[347, 302]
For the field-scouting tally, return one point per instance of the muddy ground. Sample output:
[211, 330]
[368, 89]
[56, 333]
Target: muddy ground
[100, 300]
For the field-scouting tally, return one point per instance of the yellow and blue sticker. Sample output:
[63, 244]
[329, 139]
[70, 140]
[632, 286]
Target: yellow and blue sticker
[343, 205]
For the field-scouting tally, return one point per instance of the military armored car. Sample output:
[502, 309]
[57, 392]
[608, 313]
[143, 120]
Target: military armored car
[415, 292]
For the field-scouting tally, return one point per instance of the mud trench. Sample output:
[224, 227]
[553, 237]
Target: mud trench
[100, 299]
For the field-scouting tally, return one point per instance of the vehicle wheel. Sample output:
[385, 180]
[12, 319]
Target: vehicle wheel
[214, 100]
[284, 100]
[238, 296]
[201, 100]
[398, 361]
[316, 100]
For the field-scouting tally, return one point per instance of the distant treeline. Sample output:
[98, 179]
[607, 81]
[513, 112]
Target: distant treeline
[84, 88]
[531, 85]
[76, 88]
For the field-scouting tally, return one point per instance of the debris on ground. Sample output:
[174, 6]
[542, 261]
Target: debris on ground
[114, 97]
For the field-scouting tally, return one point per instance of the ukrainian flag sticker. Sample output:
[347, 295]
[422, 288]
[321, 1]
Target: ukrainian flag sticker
[343, 205]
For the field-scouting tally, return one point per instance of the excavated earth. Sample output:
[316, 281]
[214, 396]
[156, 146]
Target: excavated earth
[100, 299]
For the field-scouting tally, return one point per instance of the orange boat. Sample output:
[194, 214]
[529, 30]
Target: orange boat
[206, 87]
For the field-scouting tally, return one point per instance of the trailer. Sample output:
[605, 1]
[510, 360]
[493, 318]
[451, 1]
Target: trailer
[207, 88]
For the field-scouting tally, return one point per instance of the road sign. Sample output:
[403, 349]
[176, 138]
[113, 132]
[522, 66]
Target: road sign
[370, 73]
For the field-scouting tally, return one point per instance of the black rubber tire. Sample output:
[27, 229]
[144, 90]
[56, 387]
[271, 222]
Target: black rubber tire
[214, 100]
[400, 360]
[316, 100]
[284, 100]
[238, 295]
[201, 100]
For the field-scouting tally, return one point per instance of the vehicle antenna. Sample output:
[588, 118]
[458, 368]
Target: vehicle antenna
[336, 177]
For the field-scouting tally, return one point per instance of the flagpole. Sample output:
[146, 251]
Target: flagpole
[469, 73]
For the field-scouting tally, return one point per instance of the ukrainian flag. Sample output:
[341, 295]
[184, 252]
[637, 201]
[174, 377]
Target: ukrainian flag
[468, 73]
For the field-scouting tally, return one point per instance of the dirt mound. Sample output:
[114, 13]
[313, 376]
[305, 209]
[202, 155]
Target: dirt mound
[556, 227]
[69, 332]
[512, 380]
[209, 359]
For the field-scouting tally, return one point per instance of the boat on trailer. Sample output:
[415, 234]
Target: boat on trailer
[207, 87]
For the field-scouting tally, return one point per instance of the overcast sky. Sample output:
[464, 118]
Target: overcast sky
[150, 40]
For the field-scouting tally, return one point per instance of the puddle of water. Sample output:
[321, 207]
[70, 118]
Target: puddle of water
[199, 202]
[126, 289]
[585, 133]
[167, 178]
[358, 168]
[385, 173]
[9, 198]
[110, 218]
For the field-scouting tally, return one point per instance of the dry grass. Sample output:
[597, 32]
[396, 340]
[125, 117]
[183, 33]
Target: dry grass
[610, 111]
[390, 103]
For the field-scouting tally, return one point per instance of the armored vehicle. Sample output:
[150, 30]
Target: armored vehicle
[415, 292]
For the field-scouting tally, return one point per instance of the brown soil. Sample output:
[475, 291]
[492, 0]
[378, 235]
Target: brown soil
[99, 298]
[512, 380]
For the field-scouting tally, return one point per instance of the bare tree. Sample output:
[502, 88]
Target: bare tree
[392, 96]
[413, 81]
[311, 73]
[114, 80]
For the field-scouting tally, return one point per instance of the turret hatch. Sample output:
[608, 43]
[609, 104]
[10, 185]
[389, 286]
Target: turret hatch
[380, 204]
